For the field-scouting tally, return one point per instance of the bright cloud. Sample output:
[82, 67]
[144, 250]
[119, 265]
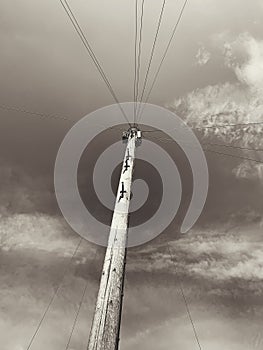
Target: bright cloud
[218, 256]
[202, 56]
[245, 56]
[232, 103]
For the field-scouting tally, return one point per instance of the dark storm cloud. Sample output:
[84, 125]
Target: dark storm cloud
[44, 67]
[21, 192]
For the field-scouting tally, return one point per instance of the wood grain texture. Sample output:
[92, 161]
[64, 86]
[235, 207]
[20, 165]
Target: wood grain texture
[106, 322]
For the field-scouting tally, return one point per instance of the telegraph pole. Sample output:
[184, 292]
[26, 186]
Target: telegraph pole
[105, 327]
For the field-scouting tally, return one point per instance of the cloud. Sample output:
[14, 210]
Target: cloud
[21, 313]
[36, 244]
[29, 218]
[231, 103]
[36, 231]
[24, 193]
[36, 247]
[225, 104]
[220, 261]
[214, 331]
[231, 255]
[28, 214]
[222, 104]
[28, 280]
[236, 186]
[203, 56]
[245, 56]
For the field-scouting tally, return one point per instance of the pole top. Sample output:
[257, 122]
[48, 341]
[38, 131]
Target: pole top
[133, 131]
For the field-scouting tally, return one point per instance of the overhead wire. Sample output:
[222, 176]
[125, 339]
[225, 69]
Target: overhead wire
[135, 59]
[233, 146]
[216, 144]
[164, 56]
[227, 125]
[214, 126]
[221, 153]
[54, 294]
[78, 311]
[64, 118]
[152, 54]
[138, 66]
[234, 156]
[181, 289]
[88, 47]
[76, 317]
[26, 111]
[96, 62]
[49, 116]
[136, 90]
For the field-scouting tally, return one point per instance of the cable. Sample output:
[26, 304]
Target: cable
[88, 47]
[226, 125]
[233, 146]
[234, 156]
[54, 295]
[164, 55]
[152, 53]
[78, 311]
[186, 305]
[190, 317]
[22, 110]
[135, 58]
[226, 154]
[139, 56]
[215, 126]
[160, 139]
[215, 144]
[84, 40]
[77, 315]
[144, 131]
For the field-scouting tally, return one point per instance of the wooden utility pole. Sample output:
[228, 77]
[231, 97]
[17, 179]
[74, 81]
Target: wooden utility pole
[105, 327]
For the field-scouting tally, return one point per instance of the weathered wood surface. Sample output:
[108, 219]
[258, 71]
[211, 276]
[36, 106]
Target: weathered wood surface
[105, 326]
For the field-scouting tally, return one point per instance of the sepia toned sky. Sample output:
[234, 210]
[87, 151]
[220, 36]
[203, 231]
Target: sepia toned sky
[213, 74]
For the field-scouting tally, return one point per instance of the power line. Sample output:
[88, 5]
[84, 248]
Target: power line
[78, 310]
[152, 53]
[214, 126]
[48, 116]
[84, 40]
[77, 315]
[26, 111]
[186, 305]
[165, 54]
[216, 144]
[226, 154]
[139, 55]
[234, 156]
[233, 146]
[88, 47]
[54, 295]
[135, 58]
[226, 125]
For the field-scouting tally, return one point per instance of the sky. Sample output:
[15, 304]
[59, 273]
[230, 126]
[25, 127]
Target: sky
[213, 74]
